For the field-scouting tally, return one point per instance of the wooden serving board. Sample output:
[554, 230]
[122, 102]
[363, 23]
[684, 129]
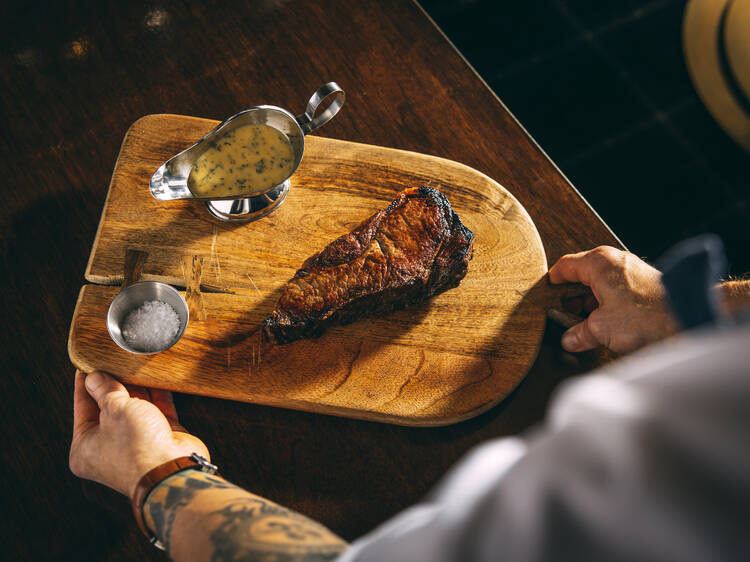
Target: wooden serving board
[447, 360]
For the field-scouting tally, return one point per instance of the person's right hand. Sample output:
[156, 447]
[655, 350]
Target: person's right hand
[631, 307]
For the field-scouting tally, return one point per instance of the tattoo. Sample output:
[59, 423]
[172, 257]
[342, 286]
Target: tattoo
[245, 528]
[254, 529]
[177, 491]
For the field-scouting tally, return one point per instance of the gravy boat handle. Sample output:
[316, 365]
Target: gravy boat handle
[308, 121]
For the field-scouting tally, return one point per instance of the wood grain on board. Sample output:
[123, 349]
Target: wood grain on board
[76, 76]
[446, 360]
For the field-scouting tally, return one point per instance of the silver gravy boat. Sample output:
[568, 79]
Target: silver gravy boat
[169, 181]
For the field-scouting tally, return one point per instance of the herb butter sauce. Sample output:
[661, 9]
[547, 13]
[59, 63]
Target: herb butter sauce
[249, 159]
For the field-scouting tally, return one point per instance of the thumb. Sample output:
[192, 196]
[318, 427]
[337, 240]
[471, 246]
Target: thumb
[579, 338]
[100, 386]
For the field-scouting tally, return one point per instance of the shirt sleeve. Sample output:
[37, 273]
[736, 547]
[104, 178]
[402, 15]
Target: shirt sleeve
[647, 459]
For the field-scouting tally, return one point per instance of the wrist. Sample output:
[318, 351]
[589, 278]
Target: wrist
[153, 478]
[734, 296]
[146, 463]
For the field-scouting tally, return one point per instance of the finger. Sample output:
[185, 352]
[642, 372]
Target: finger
[165, 402]
[85, 410]
[579, 338]
[101, 386]
[572, 268]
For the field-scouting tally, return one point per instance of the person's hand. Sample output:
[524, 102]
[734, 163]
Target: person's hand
[120, 433]
[629, 309]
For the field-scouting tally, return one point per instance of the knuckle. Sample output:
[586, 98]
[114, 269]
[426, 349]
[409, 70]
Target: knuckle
[607, 255]
[608, 263]
[112, 404]
[108, 403]
[598, 259]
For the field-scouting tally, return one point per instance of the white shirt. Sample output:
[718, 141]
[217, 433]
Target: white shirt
[646, 459]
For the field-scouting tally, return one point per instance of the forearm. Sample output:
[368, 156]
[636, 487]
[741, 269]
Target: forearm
[203, 517]
[734, 296]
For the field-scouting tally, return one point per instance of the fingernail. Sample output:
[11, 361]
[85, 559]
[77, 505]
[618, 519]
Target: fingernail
[569, 341]
[93, 380]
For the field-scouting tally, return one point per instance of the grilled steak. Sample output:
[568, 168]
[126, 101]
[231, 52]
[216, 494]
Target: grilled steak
[402, 255]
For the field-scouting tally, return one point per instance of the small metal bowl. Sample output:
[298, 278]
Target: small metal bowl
[135, 295]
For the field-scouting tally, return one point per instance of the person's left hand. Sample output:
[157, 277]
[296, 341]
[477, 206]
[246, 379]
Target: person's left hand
[120, 433]
[629, 306]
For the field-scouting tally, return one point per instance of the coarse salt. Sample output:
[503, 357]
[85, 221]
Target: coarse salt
[151, 327]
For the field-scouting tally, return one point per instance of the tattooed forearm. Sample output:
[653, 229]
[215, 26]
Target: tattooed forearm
[254, 529]
[206, 517]
[175, 492]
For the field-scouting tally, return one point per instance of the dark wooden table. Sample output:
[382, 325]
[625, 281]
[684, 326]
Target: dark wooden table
[73, 79]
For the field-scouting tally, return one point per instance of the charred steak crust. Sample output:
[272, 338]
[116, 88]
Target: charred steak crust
[413, 249]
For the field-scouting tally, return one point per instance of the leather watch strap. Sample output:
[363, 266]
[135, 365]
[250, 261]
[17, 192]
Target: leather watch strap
[150, 480]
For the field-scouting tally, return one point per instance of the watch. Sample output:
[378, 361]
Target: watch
[157, 475]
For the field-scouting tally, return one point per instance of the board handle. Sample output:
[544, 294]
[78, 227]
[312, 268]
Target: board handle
[563, 317]
[554, 302]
